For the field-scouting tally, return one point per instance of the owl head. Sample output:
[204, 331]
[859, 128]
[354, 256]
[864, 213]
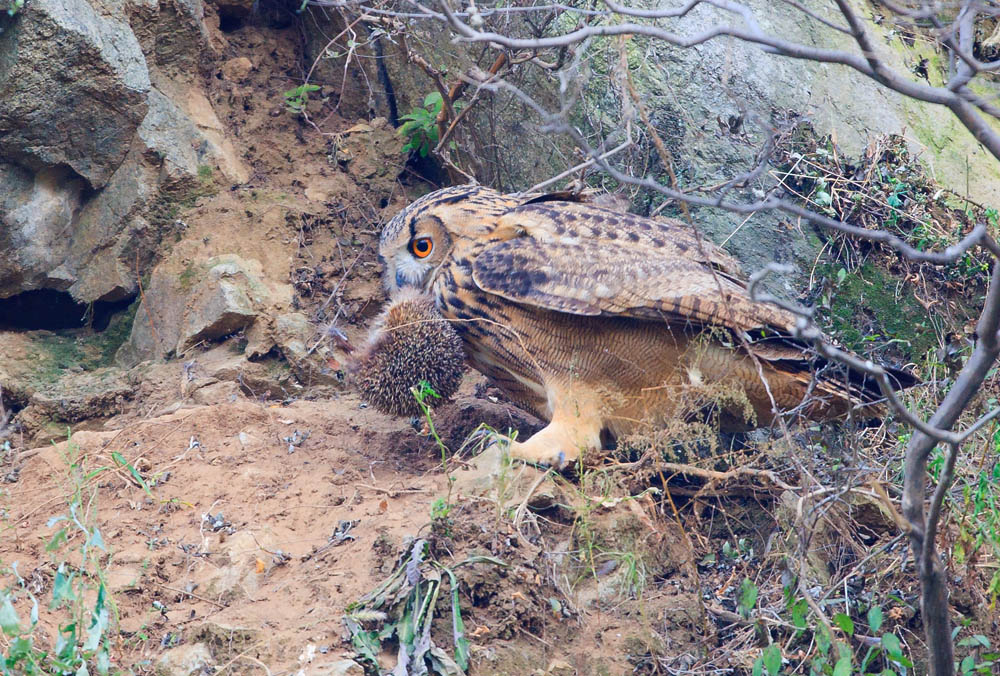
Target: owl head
[415, 243]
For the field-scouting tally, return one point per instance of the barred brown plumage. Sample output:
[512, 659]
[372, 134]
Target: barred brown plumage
[596, 320]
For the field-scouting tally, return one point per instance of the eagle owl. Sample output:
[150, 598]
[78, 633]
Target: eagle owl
[597, 320]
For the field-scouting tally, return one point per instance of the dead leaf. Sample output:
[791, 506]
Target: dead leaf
[261, 566]
[383, 506]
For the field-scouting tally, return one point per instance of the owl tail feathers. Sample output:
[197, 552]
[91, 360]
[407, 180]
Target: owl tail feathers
[832, 391]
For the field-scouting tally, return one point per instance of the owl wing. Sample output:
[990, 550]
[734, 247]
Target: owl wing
[581, 259]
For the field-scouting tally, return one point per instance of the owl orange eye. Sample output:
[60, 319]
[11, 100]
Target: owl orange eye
[422, 247]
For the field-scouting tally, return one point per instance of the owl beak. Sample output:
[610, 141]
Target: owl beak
[401, 280]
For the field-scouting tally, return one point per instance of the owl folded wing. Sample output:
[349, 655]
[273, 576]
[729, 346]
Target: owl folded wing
[599, 277]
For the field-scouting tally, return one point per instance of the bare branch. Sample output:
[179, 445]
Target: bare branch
[869, 64]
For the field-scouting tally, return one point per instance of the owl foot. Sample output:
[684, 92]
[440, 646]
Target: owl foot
[559, 444]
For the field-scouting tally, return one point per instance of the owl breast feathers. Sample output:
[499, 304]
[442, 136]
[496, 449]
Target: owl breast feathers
[600, 321]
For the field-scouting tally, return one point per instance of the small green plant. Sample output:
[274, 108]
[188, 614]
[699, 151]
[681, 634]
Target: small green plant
[297, 99]
[79, 595]
[631, 571]
[830, 655]
[13, 6]
[402, 609]
[420, 127]
[424, 393]
[982, 660]
[440, 521]
[748, 597]
[978, 516]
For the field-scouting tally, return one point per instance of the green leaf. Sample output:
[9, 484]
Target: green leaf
[843, 667]
[758, 666]
[869, 656]
[98, 623]
[122, 462]
[458, 626]
[10, 623]
[772, 659]
[799, 609]
[823, 639]
[968, 664]
[433, 100]
[845, 623]
[56, 540]
[62, 587]
[843, 650]
[365, 642]
[96, 540]
[895, 650]
[748, 596]
[892, 645]
[103, 662]
[958, 553]
[19, 650]
[875, 619]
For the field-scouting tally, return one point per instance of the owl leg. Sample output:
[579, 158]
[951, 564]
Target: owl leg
[575, 428]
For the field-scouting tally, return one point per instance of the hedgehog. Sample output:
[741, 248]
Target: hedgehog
[410, 342]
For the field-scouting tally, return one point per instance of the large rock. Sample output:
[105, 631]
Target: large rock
[170, 137]
[186, 660]
[695, 97]
[95, 161]
[223, 303]
[36, 212]
[96, 248]
[189, 301]
[73, 87]
[181, 37]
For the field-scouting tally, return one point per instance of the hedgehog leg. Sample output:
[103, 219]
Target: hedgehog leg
[575, 428]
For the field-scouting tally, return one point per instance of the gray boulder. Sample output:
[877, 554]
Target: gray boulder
[73, 87]
[224, 302]
[36, 212]
[186, 303]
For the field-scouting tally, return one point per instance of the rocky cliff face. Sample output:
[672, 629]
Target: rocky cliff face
[99, 123]
[157, 195]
